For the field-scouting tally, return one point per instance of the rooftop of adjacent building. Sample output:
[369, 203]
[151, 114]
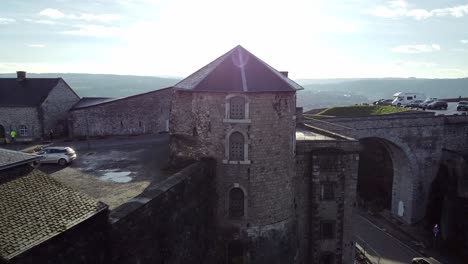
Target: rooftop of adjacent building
[25, 92]
[34, 207]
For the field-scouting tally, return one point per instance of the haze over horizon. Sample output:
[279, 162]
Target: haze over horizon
[310, 39]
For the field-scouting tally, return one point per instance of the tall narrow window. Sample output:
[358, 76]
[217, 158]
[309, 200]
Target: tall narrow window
[327, 229]
[237, 108]
[327, 191]
[23, 131]
[236, 203]
[236, 146]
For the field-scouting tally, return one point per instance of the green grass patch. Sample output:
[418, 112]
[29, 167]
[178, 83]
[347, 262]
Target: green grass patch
[362, 110]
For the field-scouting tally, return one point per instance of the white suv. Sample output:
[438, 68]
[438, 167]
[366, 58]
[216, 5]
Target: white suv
[60, 155]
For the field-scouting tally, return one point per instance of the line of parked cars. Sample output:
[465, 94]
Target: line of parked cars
[429, 103]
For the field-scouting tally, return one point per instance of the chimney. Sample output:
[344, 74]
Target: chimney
[21, 75]
[284, 73]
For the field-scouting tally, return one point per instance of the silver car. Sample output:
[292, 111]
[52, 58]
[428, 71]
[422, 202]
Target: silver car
[59, 155]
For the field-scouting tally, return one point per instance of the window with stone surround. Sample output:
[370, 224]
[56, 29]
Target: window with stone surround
[327, 229]
[236, 203]
[327, 258]
[327, 191]
[237, 108]
[236, 146]
[23, 131]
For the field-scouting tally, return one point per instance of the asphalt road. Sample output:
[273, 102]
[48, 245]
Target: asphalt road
[381, 247]
[115, 169]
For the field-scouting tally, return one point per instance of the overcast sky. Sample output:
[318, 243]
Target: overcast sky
[309, 38]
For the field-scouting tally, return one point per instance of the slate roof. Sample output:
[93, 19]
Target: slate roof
[91, 101]
[34, 208]
[29, 92]
[238, 70]
[10, 158]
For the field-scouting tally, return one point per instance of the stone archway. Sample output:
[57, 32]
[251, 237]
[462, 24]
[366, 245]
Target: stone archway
[384, 177]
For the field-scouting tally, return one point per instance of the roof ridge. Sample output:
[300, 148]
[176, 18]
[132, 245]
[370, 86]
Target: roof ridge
[220, 75]
[210, 66]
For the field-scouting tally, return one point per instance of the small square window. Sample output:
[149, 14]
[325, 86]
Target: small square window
[23, 131]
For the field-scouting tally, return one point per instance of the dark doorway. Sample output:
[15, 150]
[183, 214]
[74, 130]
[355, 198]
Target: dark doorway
[2, 134]
[435, 204]
[375, 174]
[235, 253]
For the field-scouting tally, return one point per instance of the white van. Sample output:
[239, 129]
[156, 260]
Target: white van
[401, 98]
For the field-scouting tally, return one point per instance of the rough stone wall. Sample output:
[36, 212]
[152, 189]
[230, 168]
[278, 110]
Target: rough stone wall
[199, 128]
[140, 114]
[415, 142]
[84, 243]
[319, 161]
[171, 222]
[12, 117]
[55, 107]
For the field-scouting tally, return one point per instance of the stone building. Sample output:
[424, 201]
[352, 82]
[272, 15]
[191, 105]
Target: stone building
[34, 106]
[144, 113]
[242, 112]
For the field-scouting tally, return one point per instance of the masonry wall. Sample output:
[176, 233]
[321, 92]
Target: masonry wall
[85, 243]
[13, 117]
[319, 162]
[171, 222]
[200, 128]
[417, 142]
[54, 109]
[140, 114]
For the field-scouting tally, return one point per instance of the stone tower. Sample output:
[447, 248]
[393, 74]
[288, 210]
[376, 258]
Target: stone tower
[241, 111]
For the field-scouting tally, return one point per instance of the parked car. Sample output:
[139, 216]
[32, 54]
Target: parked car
[383, 102]
[462, 106]
[426, 102]
[414, 103]
[438, 105]
[59, 155]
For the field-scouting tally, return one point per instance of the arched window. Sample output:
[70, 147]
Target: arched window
[23, 131]
[236, 203]
[236, 146]
[237, 108]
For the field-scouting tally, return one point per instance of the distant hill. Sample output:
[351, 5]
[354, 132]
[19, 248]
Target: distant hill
[106, 85]
[375, 89]
[317, 93]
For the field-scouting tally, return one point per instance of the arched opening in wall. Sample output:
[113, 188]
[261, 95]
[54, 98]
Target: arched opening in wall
[236, 146]
[235, 253]
[448, 210]
[2, 134]
[439, 188]
[376, 173]
[236, 203]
